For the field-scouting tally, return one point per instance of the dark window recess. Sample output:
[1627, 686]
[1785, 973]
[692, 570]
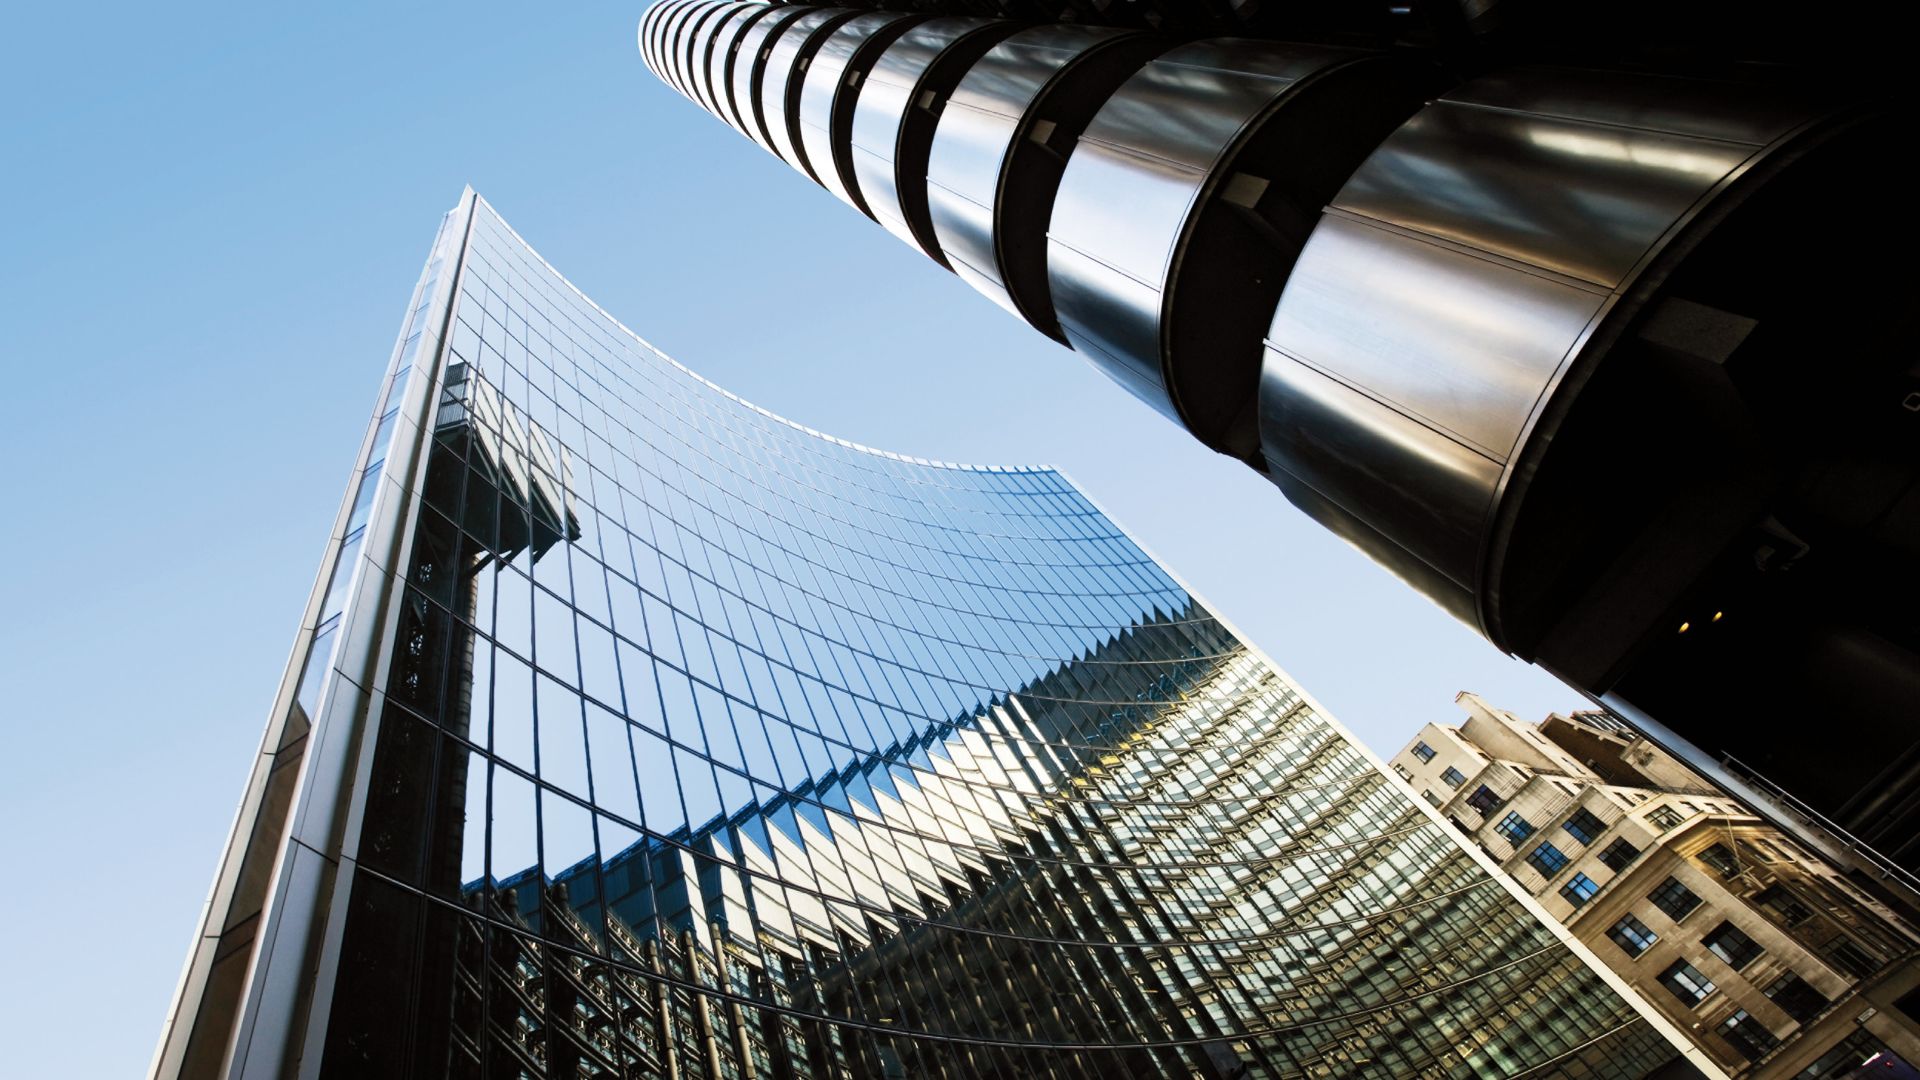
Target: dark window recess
[1685, 982]
[1547, 859]
[1514, 827]
[1748, 1037]
[1633, 936]
[1848, 955]
[1453, 777]
[1663, 817]
[1910, 1004]
[1797, 998]
[1730, 944]
[1841, 1061]
[1784, 905]
[1579, 889]
[1721, 860]
[1584, 826]
[1618, 856]
[1484, 800]
[1423, 751]
[1675, 899]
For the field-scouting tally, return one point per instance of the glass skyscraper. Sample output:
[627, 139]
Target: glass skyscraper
[635, 731]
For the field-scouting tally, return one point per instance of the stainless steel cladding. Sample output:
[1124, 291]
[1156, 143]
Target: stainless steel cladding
[1201, 176]
[749, 60]
[1456, 280]
[672, 40]
[697, 38]
[828, 94]
[715, 52]
[729, 58]
[893, 120]
[781, 77]
[1000, 147]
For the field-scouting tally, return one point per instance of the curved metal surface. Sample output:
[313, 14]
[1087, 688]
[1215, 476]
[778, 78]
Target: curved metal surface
[670, 31]
[998, 151]
[827, 97]
[713, 52]
[894, 119]
[1205, 170]
[748, 61]
[726, 54]
[1458, 275]
[695, 34]
[779, 87]
[650, 26]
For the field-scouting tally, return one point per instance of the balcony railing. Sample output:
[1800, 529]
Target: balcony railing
[1785, 801]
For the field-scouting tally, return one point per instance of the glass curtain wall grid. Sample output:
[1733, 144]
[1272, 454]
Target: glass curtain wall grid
[638, 732]
[1449, 299]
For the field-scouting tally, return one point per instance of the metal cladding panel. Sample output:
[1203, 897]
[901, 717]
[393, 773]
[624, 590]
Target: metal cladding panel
[695, 36]
[729, 49]
[1461, 273]
[651, 25]
[827, 95]
[670, 32]
[979, 131]
[1449, 369]
[1570, 197]
[1134, 181]
[779, 86]
[716, 51]
[749, 60]
[888, 100]
[1755, 114]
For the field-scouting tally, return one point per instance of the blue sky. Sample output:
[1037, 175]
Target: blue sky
[215, 214]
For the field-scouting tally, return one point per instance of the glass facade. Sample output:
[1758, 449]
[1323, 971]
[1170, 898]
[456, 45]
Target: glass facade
[660, 736]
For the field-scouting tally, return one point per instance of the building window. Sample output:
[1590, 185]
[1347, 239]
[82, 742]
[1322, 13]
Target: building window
[1727, 942]
[1484, 800]
[1796, 997]
[1720, 859]
[1847, 954]
[1663, 817]
[1579, 889]
[1584, 826]
[1633, 936]
[1860, 1048]
[1547, 859]
[1618, 856]
[1423, 752]
[1453, 777]
[1432, 799]
[1786, 907]
[1405, 773]
[1686, 983]
[1675, 899]
[1514, 827]
[1748, 1036]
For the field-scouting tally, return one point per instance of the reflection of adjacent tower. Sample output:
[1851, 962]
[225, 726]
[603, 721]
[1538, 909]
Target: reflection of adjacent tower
[1573, 350]
[510, 482]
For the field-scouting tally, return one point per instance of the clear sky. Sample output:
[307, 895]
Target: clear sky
[215, 213]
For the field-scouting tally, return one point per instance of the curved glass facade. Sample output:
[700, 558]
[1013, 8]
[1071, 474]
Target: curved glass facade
[665, 737]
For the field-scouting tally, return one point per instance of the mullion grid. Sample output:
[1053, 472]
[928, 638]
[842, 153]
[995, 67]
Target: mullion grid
[1039, 577]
